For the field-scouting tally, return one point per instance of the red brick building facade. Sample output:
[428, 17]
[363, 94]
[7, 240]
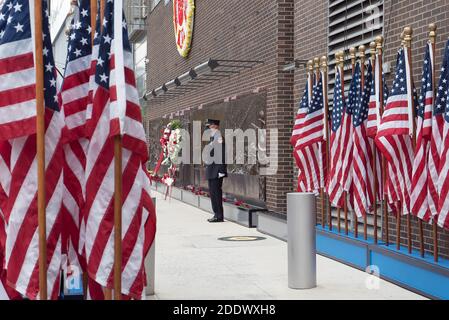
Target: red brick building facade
[278, 32]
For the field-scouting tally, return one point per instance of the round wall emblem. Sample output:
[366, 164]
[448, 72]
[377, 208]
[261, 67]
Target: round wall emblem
[183, 17]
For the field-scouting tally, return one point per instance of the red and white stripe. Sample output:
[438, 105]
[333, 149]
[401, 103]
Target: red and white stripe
[21, 256]
[334, 188]
[395, 142]
[74, 100]
[374, 103]
[363, 173]
[100, 186]
[17, 98]
[443, 181]
[420, 200]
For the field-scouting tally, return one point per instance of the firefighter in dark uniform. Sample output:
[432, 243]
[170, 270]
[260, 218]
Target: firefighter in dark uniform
[216, 169]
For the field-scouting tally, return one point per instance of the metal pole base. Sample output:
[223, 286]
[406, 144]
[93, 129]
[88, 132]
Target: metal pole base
[301, 221]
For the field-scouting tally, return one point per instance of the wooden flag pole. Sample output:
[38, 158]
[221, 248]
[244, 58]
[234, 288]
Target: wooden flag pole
[118, 192]
[339, 60]
[374, 164]
[408, 32]
[118, 217]
[432, 37]
[352, 52]
[311, 83]
[362, 53]
[40, 145]
[324, 67]
[345, 194]
[379, 43]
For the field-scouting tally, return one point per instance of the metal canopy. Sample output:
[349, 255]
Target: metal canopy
[202, 75]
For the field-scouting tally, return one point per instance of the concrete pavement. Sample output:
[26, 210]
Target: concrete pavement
[191, 263]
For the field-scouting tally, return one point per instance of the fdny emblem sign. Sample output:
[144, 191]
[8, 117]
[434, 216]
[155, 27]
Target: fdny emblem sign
[183, 17]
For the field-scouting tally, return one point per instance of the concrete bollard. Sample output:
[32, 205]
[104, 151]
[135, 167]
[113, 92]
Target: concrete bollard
[301, 221]
[150, 266]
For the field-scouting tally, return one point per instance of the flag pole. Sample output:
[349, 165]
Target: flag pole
[432, 37]
[310, 72]
[324, 70]
[118, 184]
[379, 44]
[314, 69]
[352, 53]
[362, 51]
[408, 32]
[374, 164]
[40, 147]
[345, 194]
[339, 61]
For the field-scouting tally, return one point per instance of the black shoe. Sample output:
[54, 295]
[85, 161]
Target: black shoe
[213, 220]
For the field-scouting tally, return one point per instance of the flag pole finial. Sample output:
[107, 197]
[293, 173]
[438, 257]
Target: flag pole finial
[324, 63]
[310, 66]
[316, 63]
[408, 32]
[362, 53]
[432, 32]
[379, 42]
[373, 47]
[341, 59]
[352, 54]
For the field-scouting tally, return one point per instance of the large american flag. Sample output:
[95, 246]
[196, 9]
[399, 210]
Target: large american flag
[307, 143]
[334, 188]
[138, 221]
[440, 137]
[21, 247]
[394, 136]
[420, 205]
[363, 173]
[74, 100]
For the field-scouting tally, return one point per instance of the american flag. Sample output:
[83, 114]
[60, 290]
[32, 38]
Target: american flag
[74, 100]
[363, 173]
[309, 138]
[346, 127]
[312, 127]
[21, 253]
[299, 120]
[440, 137]
[138, 221]
[394, 136]
[419, 197]
[374, 103]
[334, 188]
[17, 98]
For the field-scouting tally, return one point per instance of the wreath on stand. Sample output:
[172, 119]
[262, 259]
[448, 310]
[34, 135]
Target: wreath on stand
[171, 147]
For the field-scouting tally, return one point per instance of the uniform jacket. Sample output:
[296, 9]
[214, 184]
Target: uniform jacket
[212, 168]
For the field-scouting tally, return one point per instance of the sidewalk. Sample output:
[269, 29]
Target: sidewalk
[191, 263]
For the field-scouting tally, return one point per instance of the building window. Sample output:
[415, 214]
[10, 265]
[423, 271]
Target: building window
[140, 57]
[153, 4]
[352, 23]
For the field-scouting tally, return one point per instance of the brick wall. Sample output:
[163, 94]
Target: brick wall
[242, 30]
[311, 22]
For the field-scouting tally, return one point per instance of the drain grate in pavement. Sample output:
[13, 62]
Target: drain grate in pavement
[242, 238]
